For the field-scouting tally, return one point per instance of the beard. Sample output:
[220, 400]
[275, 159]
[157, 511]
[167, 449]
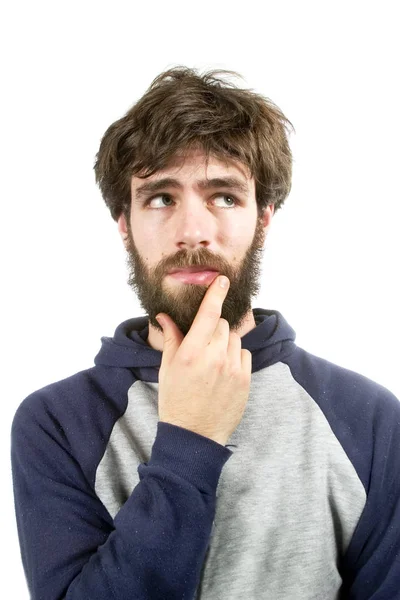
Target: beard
[181, 301]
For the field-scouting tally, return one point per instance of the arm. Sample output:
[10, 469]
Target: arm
[371, 567]
[155, 547]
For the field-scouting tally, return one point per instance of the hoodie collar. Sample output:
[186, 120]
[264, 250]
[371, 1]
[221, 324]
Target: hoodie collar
[271, 340]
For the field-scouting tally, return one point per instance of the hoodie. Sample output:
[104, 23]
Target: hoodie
[302, 503]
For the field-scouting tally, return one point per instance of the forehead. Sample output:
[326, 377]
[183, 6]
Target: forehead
[193, 165]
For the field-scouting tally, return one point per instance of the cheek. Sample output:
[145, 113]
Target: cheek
[150, 245]
[239, 235]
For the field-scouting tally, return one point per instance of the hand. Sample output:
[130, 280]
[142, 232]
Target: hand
[204, 378]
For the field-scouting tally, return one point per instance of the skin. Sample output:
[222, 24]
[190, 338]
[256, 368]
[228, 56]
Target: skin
[192, 227]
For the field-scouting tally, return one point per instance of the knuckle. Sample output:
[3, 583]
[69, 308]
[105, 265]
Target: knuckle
[223, 327]
[234, 372]
[216, 357]
[186, 359]
[212, 313]
[220, 359]
[235, 336]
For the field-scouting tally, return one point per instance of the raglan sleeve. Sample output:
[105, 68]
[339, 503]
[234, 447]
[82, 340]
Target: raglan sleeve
[70, 546]
[371, 569]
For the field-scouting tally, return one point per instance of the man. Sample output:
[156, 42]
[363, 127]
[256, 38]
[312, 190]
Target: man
[125, 484]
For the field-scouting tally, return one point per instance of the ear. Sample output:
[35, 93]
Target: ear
[267, 216]
[123, 229]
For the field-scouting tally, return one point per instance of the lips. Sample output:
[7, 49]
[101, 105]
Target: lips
[192, 270]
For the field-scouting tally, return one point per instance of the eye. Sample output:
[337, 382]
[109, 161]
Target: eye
[235, 202]
[232, 198]
[149, 200]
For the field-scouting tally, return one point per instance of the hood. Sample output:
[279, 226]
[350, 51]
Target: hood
[271, 340]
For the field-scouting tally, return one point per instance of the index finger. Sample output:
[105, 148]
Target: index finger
[208, 315]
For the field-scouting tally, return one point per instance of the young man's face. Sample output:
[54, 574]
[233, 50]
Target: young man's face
[190, 225]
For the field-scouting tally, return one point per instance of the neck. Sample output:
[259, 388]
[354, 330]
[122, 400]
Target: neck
[155, 338]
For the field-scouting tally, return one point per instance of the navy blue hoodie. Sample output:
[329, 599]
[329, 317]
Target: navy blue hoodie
[302, 503]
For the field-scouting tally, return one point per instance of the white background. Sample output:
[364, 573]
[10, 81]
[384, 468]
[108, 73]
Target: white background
[69, 69]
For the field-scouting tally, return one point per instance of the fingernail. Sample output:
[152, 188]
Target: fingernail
[223, 281]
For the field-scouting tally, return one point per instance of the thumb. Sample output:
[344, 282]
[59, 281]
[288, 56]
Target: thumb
[172, 336]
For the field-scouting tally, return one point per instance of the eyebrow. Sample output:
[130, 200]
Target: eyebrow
[232, 183]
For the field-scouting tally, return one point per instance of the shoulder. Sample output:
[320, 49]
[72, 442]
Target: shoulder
[74, 415]
[363, 414]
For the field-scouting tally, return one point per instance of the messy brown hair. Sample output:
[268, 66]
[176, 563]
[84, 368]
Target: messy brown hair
[182, 110]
